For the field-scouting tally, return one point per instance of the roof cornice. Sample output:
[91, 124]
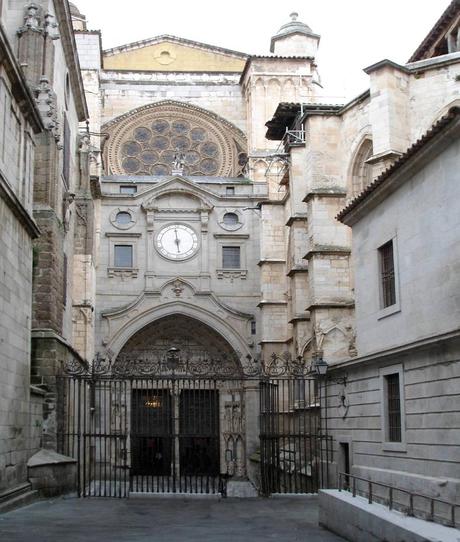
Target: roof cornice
[438, 136]
[176, 39]
[69, 46]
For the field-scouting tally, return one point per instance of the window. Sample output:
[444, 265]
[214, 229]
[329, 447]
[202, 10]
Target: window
[123, 256]
[132, 189]
[253, 327]
[123, 218]
[387, 274]
[230, 219]
[66, 155]
[64, 280]
[231, 257]
[393, 408]
[230, 190]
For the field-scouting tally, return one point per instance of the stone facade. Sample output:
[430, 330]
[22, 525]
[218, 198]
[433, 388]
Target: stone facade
[177, 148]
[416, 336]
[46, 177]
[334, 152]
[20, 405]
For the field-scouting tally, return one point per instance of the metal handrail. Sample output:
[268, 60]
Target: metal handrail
[391, 501]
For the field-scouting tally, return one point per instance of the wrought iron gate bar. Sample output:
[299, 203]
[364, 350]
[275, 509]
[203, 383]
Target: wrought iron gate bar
[177, 423]
[182, 364]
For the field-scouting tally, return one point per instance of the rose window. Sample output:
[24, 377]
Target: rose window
[158, 139]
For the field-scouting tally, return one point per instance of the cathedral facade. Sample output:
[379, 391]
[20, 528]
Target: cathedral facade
[184, 213]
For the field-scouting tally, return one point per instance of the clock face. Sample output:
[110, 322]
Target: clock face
[177, 242]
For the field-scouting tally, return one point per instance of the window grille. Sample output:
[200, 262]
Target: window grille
[393, 408]
[123, 256]
[387, 271]
[231, 257]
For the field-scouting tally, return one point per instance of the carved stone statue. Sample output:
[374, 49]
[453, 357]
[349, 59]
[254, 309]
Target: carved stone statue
[32, 17]
[319, 337]
[179, 160]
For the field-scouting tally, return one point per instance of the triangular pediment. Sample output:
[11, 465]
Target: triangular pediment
[178, 185]
[172, 54]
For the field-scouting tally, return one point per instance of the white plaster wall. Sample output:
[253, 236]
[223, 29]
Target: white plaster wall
[424, 215]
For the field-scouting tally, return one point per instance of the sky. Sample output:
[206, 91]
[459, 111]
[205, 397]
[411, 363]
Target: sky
[354, 33]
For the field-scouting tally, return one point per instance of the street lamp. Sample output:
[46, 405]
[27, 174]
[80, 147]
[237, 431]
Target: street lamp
[321, 366]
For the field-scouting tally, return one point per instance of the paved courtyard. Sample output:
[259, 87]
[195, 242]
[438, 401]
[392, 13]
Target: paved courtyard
[166, 520]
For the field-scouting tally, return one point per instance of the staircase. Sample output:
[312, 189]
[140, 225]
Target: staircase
[16, 497]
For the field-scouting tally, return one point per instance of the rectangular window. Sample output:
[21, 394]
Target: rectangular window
[231, 257]
[66, 155]
[64, 280]
[230, 190]
[387, 274]
[393, 408]
[128, 189]
[123, 256]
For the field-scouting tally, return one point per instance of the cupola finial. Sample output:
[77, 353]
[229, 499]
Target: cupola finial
[294, 16]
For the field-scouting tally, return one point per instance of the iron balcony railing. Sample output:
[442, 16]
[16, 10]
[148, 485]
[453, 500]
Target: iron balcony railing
[365, 488]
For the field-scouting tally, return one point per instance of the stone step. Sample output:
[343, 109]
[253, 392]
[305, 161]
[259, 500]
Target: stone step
[17, 497]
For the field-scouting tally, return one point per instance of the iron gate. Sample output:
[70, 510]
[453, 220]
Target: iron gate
[173, 425]
[295, 452]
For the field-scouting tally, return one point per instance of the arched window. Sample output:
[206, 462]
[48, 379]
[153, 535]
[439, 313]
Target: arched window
[230, 219]
[362, 171]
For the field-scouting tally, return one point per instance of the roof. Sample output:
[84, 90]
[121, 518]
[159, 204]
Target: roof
[292, 27]
[163, 37]
[286, 113]
[442, 24]
[271, 57]
[436, 129]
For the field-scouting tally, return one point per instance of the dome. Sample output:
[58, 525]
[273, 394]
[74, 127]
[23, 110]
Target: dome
[73, 9]
[293, 26]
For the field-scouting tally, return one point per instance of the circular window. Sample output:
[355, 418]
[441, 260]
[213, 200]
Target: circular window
[230, 219]
[123, 218]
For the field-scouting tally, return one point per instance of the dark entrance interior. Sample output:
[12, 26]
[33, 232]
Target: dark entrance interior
[151, 432]
[199, 432]
[165, 435]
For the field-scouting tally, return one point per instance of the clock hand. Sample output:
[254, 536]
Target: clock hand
[177, 240]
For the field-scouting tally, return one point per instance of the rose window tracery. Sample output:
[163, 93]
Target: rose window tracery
[149, 141]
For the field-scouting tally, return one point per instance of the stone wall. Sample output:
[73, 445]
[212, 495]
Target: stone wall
[425, 237]
[426, 461]
[17, 441]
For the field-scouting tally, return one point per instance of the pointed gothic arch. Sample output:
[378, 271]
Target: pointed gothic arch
[361, 171]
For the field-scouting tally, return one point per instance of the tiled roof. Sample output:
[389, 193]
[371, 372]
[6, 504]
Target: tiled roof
[442, 24]
[453, 114]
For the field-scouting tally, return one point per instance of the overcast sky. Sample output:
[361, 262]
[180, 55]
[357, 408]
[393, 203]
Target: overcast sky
[354, 33]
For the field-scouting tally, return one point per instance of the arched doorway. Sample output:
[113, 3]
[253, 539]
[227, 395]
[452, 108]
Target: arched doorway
[185, 396]
[167, 415]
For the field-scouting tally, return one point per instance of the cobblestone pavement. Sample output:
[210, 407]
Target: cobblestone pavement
[166, 520]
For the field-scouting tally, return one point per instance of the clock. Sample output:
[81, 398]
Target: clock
[177, 242]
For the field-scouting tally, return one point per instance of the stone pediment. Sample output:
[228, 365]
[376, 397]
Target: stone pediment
[195, 197]
[173, 54]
